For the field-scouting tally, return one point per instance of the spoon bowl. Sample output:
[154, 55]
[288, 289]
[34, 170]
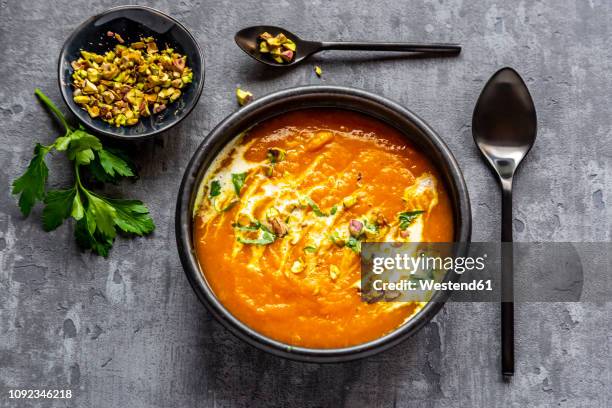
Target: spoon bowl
[247, 40]
[504, 124]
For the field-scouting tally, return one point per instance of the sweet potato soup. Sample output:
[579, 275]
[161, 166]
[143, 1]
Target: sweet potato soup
[282, 213]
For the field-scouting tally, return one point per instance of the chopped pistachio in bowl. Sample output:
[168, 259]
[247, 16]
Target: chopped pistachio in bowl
[129, 82]
[132, 23]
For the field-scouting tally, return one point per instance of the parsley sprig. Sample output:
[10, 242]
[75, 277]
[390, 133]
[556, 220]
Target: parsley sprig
[98, 219]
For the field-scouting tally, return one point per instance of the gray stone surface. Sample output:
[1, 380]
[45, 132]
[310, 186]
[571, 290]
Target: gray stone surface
[127, 331]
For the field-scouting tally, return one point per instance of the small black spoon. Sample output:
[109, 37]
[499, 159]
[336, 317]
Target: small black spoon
[247, 40]
[504, 126]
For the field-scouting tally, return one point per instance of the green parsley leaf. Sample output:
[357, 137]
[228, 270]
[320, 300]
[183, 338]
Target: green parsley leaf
[82, 145]
[98, 173]
[86, 240]
[254, 226]
[31, 185]
[96, 229]
[354, 244]
[238, 181]
[215, 188]
[83, 141]
[310, 249]
[84, 156]
[100, 216]
[77, 207]
[333, 210]
[62, 143]
[113, 164]
[58, 206]
[132, 216]
[315, 207]
[408, 217]
[116, 164]
[265, 238]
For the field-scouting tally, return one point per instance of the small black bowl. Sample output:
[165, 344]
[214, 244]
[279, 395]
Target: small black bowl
[411, 126]
[133, 22]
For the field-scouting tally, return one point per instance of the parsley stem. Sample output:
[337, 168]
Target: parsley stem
[58, 114]
[77, 177]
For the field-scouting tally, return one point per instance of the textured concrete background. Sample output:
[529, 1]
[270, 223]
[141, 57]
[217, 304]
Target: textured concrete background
[127, 331]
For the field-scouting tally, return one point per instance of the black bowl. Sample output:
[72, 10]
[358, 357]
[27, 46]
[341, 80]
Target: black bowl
[133, 22]
[415, 130]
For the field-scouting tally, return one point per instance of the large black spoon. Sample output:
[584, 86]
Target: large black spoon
[247, 39]
[504, 126]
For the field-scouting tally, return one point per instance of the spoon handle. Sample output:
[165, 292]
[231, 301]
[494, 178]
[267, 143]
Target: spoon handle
[387, 46]
[507, 284]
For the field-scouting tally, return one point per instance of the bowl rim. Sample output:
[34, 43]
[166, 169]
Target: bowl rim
[144, 135]
[216, 139]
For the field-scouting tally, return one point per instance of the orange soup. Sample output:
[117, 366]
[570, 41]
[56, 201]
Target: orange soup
[282, 213]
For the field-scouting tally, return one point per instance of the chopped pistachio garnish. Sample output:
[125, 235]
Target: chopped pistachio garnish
[349, 201]
[334, 272]
[276, 155]
[337, 239]
[272, 212]
[356, 228]
[243, 96]
[129, 83]
[278, 226]
[318, 71]
[298, 266]
[371, 229]
[279, 48]
[117, 37]
[295, 238]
